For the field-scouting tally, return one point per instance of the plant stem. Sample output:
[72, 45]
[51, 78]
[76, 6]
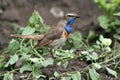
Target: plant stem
[110, 59]
[21, 48]
[35, 51]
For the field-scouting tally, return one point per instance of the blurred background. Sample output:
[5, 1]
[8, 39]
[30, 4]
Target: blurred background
[17, 12]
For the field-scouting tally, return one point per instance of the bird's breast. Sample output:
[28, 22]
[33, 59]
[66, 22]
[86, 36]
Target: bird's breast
[56, 43]
[65, 34]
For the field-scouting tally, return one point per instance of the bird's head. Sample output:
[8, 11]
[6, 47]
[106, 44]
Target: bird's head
[71, 17]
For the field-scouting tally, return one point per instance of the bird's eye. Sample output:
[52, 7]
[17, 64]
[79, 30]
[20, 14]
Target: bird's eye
[69, 16]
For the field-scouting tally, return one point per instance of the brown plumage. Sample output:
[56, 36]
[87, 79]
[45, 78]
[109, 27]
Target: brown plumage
[56, 35]
[53, 34]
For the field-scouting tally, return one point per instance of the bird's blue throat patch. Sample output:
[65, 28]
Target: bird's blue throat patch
[68, 28]
[71, 21]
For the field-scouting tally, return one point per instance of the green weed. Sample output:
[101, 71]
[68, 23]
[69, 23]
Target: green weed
[25, 58]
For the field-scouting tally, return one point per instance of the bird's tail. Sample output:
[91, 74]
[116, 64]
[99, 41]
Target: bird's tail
[34, 37]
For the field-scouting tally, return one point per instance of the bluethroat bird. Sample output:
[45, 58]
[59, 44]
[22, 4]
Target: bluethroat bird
[56, 35]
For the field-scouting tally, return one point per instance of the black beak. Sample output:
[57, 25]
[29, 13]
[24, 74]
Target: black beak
[77, 16]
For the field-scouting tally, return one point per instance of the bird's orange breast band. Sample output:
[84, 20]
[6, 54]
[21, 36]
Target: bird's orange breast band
[65, 34]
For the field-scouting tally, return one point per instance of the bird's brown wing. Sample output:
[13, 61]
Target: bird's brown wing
[54, 33]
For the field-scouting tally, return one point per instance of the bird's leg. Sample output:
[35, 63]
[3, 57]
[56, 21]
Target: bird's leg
[52, 51]
[52, 54]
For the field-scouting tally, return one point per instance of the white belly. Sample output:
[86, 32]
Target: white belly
[56, 43]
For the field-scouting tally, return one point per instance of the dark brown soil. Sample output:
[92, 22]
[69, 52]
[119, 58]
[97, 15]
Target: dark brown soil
[19, 11]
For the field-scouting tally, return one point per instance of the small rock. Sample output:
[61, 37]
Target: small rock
[19, 63]
[57, 12]
[49, 70]
[1, 11]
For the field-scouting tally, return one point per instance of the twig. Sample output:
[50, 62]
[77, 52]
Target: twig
[110, 59]
[29, 76]
[71, 72]
[87, 67]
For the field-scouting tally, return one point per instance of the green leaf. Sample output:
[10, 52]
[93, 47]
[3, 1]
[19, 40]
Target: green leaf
[8, 76]
[108, 49]
[91, 35]
[25, 56]
[106, 41]
[65, 53]
[35, 60]
[117, 37]
[97, 65]
[2, 58]
[66, 78]
[97, 47]
[12, 60]
[36, 73]
[36, 20]
[112, 72]
[100, 39]
[117, 52]
[103, 2]
[13, 46]
[115, 23]
[26, 67]
[28, 30]
[104, 22]
[115, 1]
[27, 49]
[118, 30]
[85, 52]
[100, 2]
[77, 38]
[110, 6]
[48, 61]
[38, 17]
[65, 64]
[94, 56]
[96, 1]
[76, 76]
[56, 74]
[44, 29]
[93, 74]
